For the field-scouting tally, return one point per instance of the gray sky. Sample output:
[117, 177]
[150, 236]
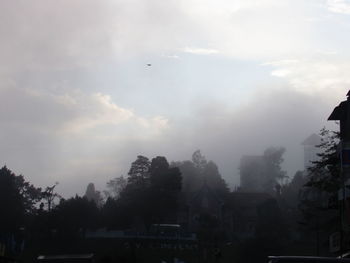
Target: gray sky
[78, 102]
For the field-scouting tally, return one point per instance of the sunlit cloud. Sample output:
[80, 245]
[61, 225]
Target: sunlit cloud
[325, 75]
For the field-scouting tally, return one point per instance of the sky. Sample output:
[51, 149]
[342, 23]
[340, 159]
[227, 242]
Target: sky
[78, 101]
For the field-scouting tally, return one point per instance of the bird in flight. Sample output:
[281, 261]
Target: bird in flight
[149, 64]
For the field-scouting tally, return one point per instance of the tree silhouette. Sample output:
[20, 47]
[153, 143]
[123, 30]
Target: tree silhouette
[73, 216]
[115, 186]
[92, 195]
[139, 172]
[199, 171]
[17, 199]
[49, 195]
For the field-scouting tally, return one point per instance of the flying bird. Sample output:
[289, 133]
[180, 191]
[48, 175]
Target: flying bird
[149, 64]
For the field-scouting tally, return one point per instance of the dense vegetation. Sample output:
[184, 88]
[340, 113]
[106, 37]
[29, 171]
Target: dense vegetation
[153, 192]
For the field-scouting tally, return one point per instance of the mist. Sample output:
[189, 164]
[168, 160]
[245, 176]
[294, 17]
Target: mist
[79, 103]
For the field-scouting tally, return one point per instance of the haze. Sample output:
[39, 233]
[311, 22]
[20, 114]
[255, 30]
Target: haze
[78, 101]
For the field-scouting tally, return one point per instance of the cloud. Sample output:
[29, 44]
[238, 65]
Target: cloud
[325, 75]
[339, 6]
[75, 34]
[273, 116]
[45, 135]
[71, 79]
[200, 51]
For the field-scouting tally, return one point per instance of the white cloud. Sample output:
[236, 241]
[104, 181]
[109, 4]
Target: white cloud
[323, 75]
[43, 132]
[200, 51]
[96, 110]
[280, 73]
[339, 6]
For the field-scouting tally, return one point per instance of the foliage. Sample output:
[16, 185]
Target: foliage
[150, 195]
[199, 171]
[263, 173]
[320, 193]
[92, 195]
[73, 215]
[291, 192]
[139, 172]
[49, 195]
[115, 186]
[17, 199]
[273, 157]
[324, 174]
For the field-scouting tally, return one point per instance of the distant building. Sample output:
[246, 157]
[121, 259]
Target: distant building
[310, 149]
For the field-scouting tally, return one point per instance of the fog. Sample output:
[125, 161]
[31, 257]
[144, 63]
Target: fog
[78, 102]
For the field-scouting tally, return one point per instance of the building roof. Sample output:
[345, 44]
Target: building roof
[339, 112]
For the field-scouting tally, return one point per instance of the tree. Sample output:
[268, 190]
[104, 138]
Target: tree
[324, 174]
[49, 195]
[139, 172]
[164, 189]
[263, 173]
[323, 177]
[151, 192]
[274, 173]
[291, 191]
[17, 199]
[199, 160]
[115, 186]
[213, 178]
[163, 177]
[74, 215]
[191, 178]
[320, 193]
[92, 195]
[199, 171]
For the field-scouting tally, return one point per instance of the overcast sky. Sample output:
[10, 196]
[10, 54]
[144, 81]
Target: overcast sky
[78, 102]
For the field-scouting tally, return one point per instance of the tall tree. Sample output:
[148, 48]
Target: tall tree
[199, 160]
[324, 174]
[320, 193]
[213, 178]
[74, 215]
[274, 174]
[262, 173]
[151, 192]
[49, 195]
[164, 190]
[198, 172]
[191, 178]
[17, 199]
[139, 172]
[92, 195]
[115, 186]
